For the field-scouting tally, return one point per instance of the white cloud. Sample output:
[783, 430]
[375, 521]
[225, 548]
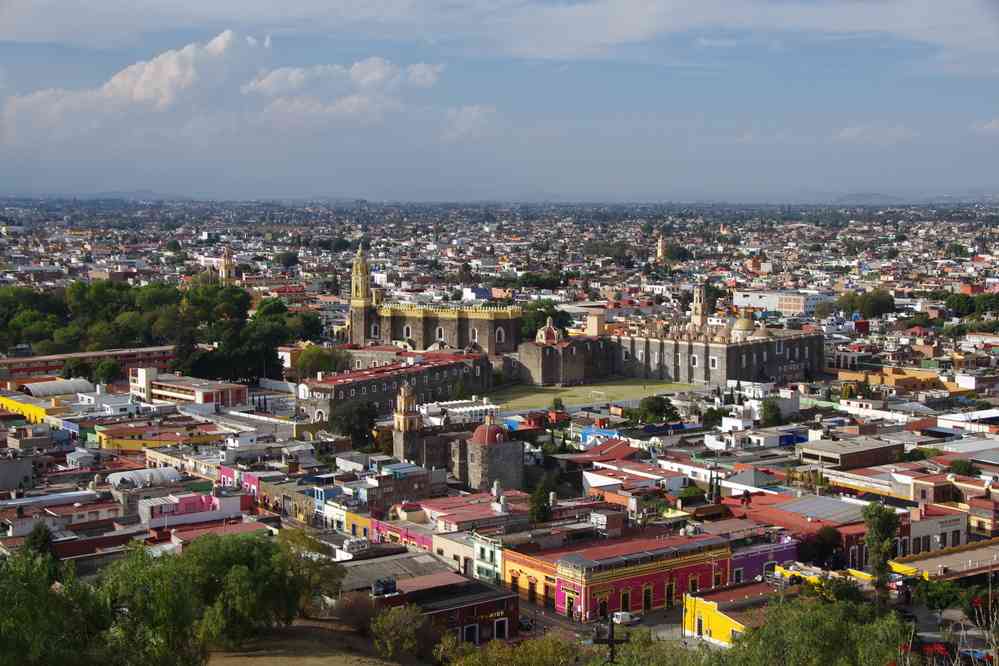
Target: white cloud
[177, 90]
[875, 135]
[423, 75]
[532, 28]
[373, 74]
[284, 80]
[468, 122]
[990, 127]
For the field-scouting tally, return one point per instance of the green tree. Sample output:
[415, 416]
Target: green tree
[76, 367]
[557, 404]
[314, 562]
[400, 631]
[39, 540]
[882, 526]
[107, 371]
[770, 413]
[540, 507]
[963, 467]
[938, 596]
[271, 307]
[712, 417]
[315, 359]
[657, 408]
[355, 419]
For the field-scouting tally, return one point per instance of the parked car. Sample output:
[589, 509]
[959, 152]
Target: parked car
[625, 618]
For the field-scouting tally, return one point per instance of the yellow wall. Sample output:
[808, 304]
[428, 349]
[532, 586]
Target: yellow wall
[31, 411]
[363, 523]
[716, 626]
[107, 442]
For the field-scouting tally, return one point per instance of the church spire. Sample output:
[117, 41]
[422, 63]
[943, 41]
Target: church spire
[360, 279]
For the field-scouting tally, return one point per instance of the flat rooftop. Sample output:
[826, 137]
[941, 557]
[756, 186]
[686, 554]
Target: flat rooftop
[842, 446]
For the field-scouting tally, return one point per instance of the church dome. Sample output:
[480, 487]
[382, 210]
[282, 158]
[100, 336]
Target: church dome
[548, 334]
[488, 433]
[760, 334]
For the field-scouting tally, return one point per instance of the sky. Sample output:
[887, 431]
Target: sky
[591, 100]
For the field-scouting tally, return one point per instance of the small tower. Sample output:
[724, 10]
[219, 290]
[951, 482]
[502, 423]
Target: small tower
[407, 418]
[408, 427]
[661, 249]
[363, 322]
[227, 268]
[698, 315]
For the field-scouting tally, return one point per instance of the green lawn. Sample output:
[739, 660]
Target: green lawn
[521, 398]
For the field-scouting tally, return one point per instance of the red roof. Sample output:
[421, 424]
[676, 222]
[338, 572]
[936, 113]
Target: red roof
[488, 433]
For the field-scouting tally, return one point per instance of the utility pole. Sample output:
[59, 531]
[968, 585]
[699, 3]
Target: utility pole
[610, 641]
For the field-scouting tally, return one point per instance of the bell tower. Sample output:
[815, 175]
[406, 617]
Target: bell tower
[698, 316]
[227, 268]
[407, 418]
[408, 426]
[362, 311]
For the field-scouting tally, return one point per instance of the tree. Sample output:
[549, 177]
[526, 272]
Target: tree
[938, 595]
[657, 408]
[358, 611]
[712, 417]
[39, 540]
[963, 467]
[355, 419]
[823, 547]
[76, 367]
[271, 307]
[558, 405]
[313, 561]
[882, 526]
[402, 630]
[825, 309]
[540, 509]
[315, 359]
[692, 492]
[107, 371]
[770, 415]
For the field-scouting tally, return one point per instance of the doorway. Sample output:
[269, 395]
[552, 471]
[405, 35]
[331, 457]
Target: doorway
[670, 594]
[570, 605]
[603, 609]
[626, 600]
[647, 599]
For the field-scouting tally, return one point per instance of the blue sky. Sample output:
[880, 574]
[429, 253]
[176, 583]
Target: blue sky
[512, 99]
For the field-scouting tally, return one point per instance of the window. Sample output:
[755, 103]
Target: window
[745, 360]
[713, 363]
[627, 355]
[655, 358]
[625, 600]
[440, 333]
[641, 355]
[407, 331]
[955, 538]
[500, 335]
[357, 364]
[718, 579]
[693, 361]
[943, 539]
[764, 355]
[475, 335]
[692, 584]
[737, 576]
[375, 330]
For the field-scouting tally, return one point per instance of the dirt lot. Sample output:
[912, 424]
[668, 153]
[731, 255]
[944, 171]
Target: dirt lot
[314, 644]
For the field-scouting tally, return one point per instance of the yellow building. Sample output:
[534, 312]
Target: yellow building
[34, 410]
[357, 524]
[722, 615]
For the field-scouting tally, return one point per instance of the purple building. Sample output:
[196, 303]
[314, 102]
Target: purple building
[756, 548]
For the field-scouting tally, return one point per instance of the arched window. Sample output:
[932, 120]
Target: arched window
[475, 335]
[375, 330]
[440, 333]
[407, 331]
[500, 335]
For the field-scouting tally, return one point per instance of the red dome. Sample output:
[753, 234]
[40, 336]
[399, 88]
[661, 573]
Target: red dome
[488, 433]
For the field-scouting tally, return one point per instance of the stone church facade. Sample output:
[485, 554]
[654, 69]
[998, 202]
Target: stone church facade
[494, 330]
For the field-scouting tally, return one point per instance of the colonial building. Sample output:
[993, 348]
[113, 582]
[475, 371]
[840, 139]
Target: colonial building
[494, 330]
[433, 376]
[476, 461]
[692, 353]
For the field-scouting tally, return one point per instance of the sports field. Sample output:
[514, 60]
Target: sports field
[522, 398]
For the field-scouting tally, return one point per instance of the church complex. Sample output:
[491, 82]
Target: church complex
[695, 352]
